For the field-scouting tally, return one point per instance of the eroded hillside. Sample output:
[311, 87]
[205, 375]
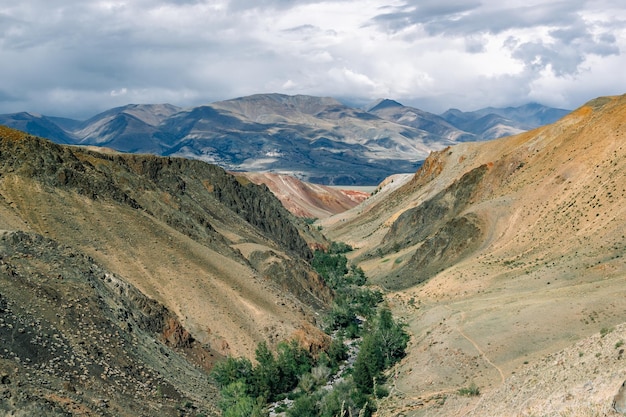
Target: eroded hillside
[78, 340]
[499, 253]
[222, 257]
[305, 199]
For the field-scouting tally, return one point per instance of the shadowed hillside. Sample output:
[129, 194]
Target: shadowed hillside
[215, 264]
[499, 253]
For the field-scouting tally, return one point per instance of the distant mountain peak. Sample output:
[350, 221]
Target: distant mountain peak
[384, 103]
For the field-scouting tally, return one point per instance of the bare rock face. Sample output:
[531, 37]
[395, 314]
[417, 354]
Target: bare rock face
[77, 337]
[619, 401]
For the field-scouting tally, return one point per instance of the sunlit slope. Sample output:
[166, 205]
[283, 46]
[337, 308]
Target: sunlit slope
[500, 252]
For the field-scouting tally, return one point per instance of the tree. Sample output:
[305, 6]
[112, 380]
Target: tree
[292, 362]
[232, 370]
[369, 364]
[304, 406]
[265, 375]
[356, 276]
[236, 402]
[331, 267]
[344, 400]
[339, 247]
[391, 337]
[337, 352]
[381, 347]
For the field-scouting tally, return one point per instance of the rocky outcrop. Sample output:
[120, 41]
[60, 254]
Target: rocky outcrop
[619, 401]
[78, 340]
[56, 166]
[258, 206]
[451, 243]
[415, 225]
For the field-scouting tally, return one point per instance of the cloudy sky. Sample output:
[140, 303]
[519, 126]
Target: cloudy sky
[75, 58]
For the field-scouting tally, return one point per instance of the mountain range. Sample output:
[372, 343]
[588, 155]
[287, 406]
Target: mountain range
[317, 139]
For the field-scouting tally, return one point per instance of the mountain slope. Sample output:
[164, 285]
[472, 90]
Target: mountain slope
[498, 253]
[131, 128]
[39, 125]
[493, 122]
[222, 255]
[277, 108]
[409, 116]
[311, 138]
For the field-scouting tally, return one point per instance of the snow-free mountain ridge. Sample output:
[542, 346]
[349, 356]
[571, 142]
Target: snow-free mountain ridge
[317, 139]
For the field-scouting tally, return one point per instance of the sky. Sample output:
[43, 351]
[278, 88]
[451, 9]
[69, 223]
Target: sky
[75, 58]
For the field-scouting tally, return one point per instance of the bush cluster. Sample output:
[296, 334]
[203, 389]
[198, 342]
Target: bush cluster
[357, 315]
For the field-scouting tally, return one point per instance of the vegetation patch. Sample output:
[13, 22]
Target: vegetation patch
[471, 391]
[346, 379]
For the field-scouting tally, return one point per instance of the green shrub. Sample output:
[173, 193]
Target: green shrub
[232, 370]
[236, 402]
[339, 247]
[471, 391]
[604, 331]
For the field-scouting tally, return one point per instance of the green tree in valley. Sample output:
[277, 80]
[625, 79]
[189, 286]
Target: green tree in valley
[391, 336]
[232, 370]
[236, 402]
[382, 346]
[265, 376]
[293, 361]
[356, 315]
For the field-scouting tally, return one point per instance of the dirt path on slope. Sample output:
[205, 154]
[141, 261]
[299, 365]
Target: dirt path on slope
[474, 343]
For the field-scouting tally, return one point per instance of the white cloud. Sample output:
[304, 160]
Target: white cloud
[120, 92]
[70, 57]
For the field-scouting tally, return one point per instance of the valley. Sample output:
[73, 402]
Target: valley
[504, 258]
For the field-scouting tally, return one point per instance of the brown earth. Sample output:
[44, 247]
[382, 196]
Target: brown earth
[305, 199]
[541, 270]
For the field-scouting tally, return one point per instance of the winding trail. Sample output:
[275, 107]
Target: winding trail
[473, 342]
